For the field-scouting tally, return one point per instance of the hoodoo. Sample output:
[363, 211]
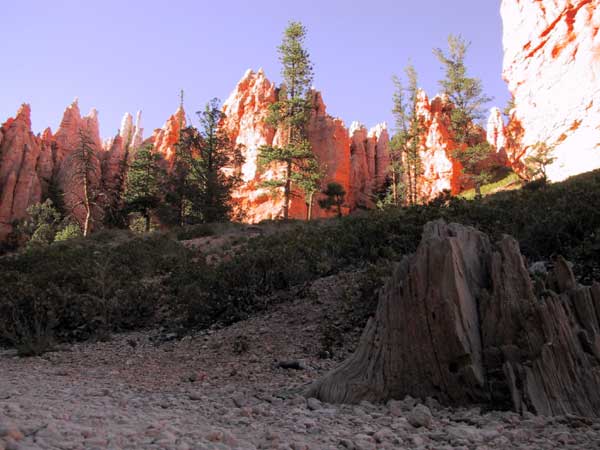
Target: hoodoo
[552, 66]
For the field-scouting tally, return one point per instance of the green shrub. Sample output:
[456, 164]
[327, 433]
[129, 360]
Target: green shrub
[28, 320]
[70, 231]
[117, 280]
[91, 287]
[195, 231]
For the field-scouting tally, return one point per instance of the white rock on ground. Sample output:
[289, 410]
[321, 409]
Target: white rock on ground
[117, 396]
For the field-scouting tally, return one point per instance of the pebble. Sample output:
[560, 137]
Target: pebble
[420, 416]
[151, 404]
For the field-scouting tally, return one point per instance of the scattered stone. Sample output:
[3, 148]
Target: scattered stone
[196, 396]
[146, 405]
[8, 431]
[313, 404]
[420, 416]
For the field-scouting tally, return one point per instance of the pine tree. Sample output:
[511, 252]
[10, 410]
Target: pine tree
[406, 165]
[144, 178]
[309, 180]
[205, 171]
[537, 161]
[217, 153]
[84, 165]
[466, 95]
[183, 184]
[290, 115]
[41, 224]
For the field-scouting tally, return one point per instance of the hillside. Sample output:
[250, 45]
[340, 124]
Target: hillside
[216, 274]
[222, 311]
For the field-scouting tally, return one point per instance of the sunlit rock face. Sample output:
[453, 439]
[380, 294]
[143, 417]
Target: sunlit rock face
[440, 170]
[119, 151]
[495, 129]
[245, 112]
[69, 179]
[331, 143]
[30, 164]
[137, 137]
[165, 139]
[20, 183]
[552, 66]
[359, 163]
[369, 162]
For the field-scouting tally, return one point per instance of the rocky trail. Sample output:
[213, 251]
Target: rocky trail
[226, 389]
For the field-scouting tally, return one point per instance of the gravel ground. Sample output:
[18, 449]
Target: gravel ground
[226, 389]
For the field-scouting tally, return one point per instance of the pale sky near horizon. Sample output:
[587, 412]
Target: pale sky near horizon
[120, 56]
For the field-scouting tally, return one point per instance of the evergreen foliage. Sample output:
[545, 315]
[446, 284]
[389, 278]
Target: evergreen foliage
[309, 181]
[114, 203]
[217, 153]
[144, 179]
[114, 280]
[206, 170]
[466, 95]
[43, 225]
[290, 114]
[183, 185]
[537, 161]
[406, 166]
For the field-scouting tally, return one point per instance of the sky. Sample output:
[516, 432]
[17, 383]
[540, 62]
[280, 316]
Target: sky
[119, 56]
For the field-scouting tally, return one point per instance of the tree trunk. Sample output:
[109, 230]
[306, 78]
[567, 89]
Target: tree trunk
[88, 209]
[287, 190]
[309, 206]
[147, 222]
[478, 189]
[394, 188]
[409, 179]
[415, 193]
[86, 223]
[459, 321]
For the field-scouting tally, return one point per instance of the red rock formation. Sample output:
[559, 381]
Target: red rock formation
[119, 150]
[441, 171]
[28, 163]
[20, 184]
[165, 139]
[359, 173]
[552, 66]
[245, 111]
[331, 143]
[369, 158]
[495, 129]
[67, 140]
[137, 137]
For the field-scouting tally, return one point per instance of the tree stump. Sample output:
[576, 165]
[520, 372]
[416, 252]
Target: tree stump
[461, 321]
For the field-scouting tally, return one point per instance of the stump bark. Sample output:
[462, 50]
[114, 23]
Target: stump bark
[461, 321]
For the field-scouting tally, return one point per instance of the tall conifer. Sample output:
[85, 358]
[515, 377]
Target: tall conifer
[468, 99]
[290, 114]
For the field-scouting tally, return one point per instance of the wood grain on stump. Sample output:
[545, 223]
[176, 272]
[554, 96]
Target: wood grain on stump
[461, 321]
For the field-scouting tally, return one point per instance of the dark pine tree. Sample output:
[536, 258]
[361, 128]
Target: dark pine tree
[290, 115]
[144, 179]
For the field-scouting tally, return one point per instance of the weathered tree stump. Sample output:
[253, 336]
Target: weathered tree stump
[460, 321]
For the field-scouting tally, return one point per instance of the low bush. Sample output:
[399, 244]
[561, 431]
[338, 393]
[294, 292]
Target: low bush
[117, 280]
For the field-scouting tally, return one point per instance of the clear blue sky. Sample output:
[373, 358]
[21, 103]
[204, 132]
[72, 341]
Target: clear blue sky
[124, 55]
